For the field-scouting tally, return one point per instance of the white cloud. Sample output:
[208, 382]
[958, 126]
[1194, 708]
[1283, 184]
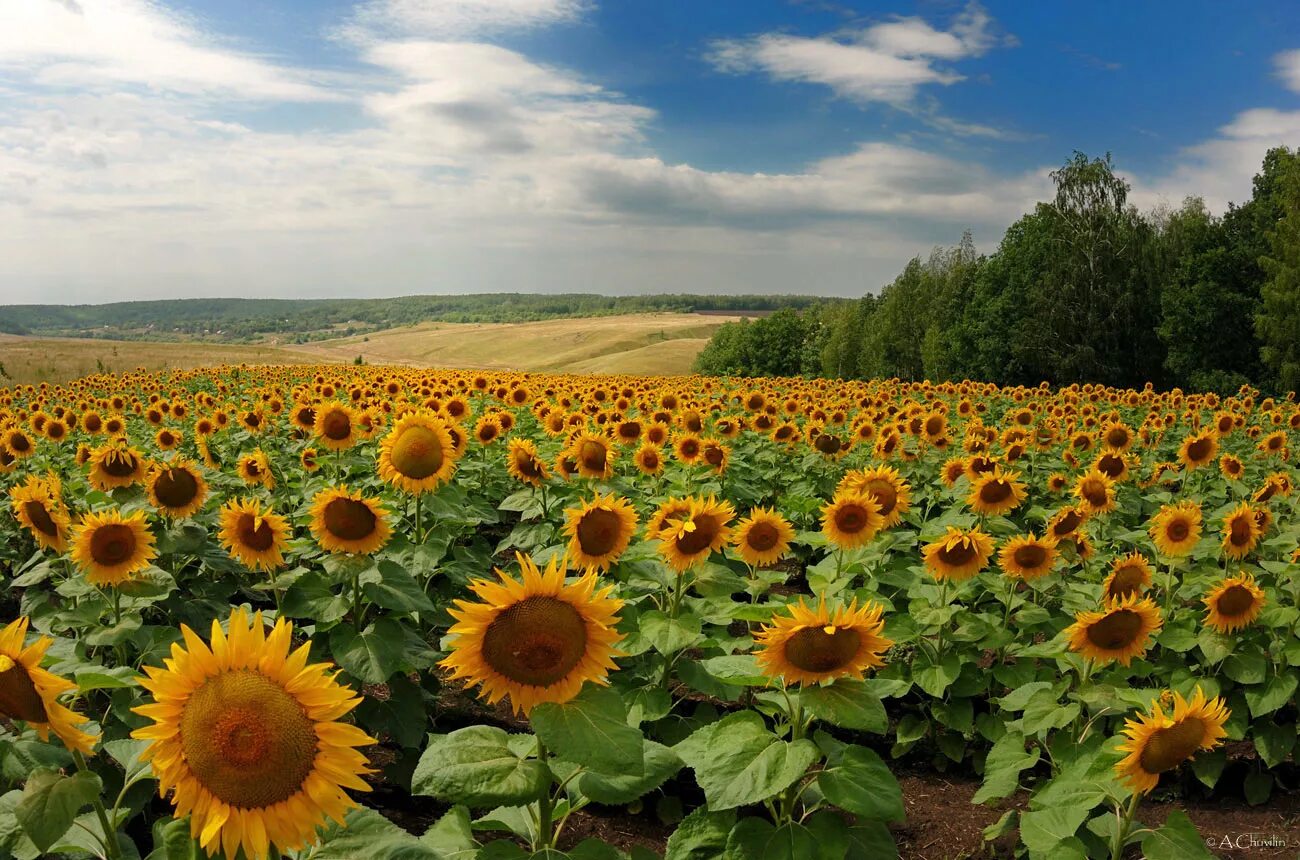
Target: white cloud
[104, 43]
[1288, 69]
[455, 18]
[886, 62]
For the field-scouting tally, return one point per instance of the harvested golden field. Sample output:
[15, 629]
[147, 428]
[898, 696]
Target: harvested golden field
[659, 344]
[662, 344]
[29, 360]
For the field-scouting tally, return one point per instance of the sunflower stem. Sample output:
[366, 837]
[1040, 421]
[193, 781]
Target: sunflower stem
[1125, 824]
[111, 849]
[545, 805]
[419, 511]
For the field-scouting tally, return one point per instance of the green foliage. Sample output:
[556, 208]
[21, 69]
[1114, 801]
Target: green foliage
[768, 346]
[1278, 323]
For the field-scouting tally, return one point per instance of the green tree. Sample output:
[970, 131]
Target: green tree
[1278, 323]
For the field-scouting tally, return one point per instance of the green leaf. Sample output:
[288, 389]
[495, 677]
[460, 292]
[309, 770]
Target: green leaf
[737, 761]
[759, 839]
[1043, 830]
[51, 802]
[311, 596]
[389, 585]
[1178, 839]
[1258, 787]
[105, 678]
[172, 841]
[1273, 695]
[451, 836]
[1274, 741]
[1208, 766]
[615, 789]
[935, 678]
[702, 835]
[1246, 667]
[1018, 699]
[372, 655]
[1002, 768]
[475, 766]
[127, 752]
[871, 840]
[1044, 713]
[847, 703]
[591, 730]
[861, 783]
[369, 834]
[739, 670]
[670, 635]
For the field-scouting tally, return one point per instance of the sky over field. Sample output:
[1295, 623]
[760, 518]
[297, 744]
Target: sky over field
[155, 149]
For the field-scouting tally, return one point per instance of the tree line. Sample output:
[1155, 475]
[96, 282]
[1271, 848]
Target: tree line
[1085, 288]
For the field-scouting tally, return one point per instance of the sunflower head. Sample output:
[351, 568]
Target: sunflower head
[535, 639]
[996, 492]
[1096, 492]
[1130, 574]
[110, 548]
[851, 519]
[253, 535]
[177, 489]
[346, 521]
[762, 538]
[1234, 603]
[418, 454]
[1120, 631]
[38, 506]
[245, 736]
[689, 530]
[1172, 733]
[884, 484]
[599, 531]
[1241, 531]
[116, 464]
[593, 455]
[807, 646]
[959, 554]
[524, 464]
[1198, 449]
[1028, 557]
[649, 460]
[30, 693]
[1176, 528]
[336, 426]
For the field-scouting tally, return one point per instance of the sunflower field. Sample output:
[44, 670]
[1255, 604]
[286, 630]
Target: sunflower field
[328, 612]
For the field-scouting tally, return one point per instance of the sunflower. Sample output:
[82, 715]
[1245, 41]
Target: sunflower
[1027, 557]
[116, 464]
[1234, 603]
[1130, 574]
[886, 486]
[534, 639]
[1066, 522]
[762, 538]
[1096, 492]
[1176, 528]
[309, 458]
[19, 444]
[38, 506]
[649, 460]
[245, 735]
[806, 646]
[30, 693]
[715, 455]
[252, 535]
[110, 548]
[523, 462]
[996, 492]
[690, 530]
[599, 531]
[850, 520]
[1057, 483]
[487, 430]
[1161, 741]
[688, 449]
[1231, 467]
[959, 554]
[1198, 449]
[336, 426]
[176, 489]
[953, 471]
[255, 468]
[344, 521]
[1118, 632]
[418, 454]
[1241, 532]
[593, 455]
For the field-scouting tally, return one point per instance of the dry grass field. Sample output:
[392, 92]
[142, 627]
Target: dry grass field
[663, 344]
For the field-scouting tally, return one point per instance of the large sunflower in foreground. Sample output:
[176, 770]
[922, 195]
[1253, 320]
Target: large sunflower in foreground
[1120, 631]
[883, 483]
[1027, 557]
[253, 535]
[177, 489]
[690, 530]
[850, 519]
[599, 531]
[1176, 528]
[1234, 603]
[110, 548]
[246, 736]
[762, 537]
[806, 645]
[535, 639]
[347, 521]
[30, 693]
[1130, 574]
[418, 454]
[38, 506]
[959, 554]
[1160, 741]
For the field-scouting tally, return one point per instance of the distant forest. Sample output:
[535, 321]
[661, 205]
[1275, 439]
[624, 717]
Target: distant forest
[1085, 288]
[300, 320]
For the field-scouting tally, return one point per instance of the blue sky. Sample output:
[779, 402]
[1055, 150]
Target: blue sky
[158, 148]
